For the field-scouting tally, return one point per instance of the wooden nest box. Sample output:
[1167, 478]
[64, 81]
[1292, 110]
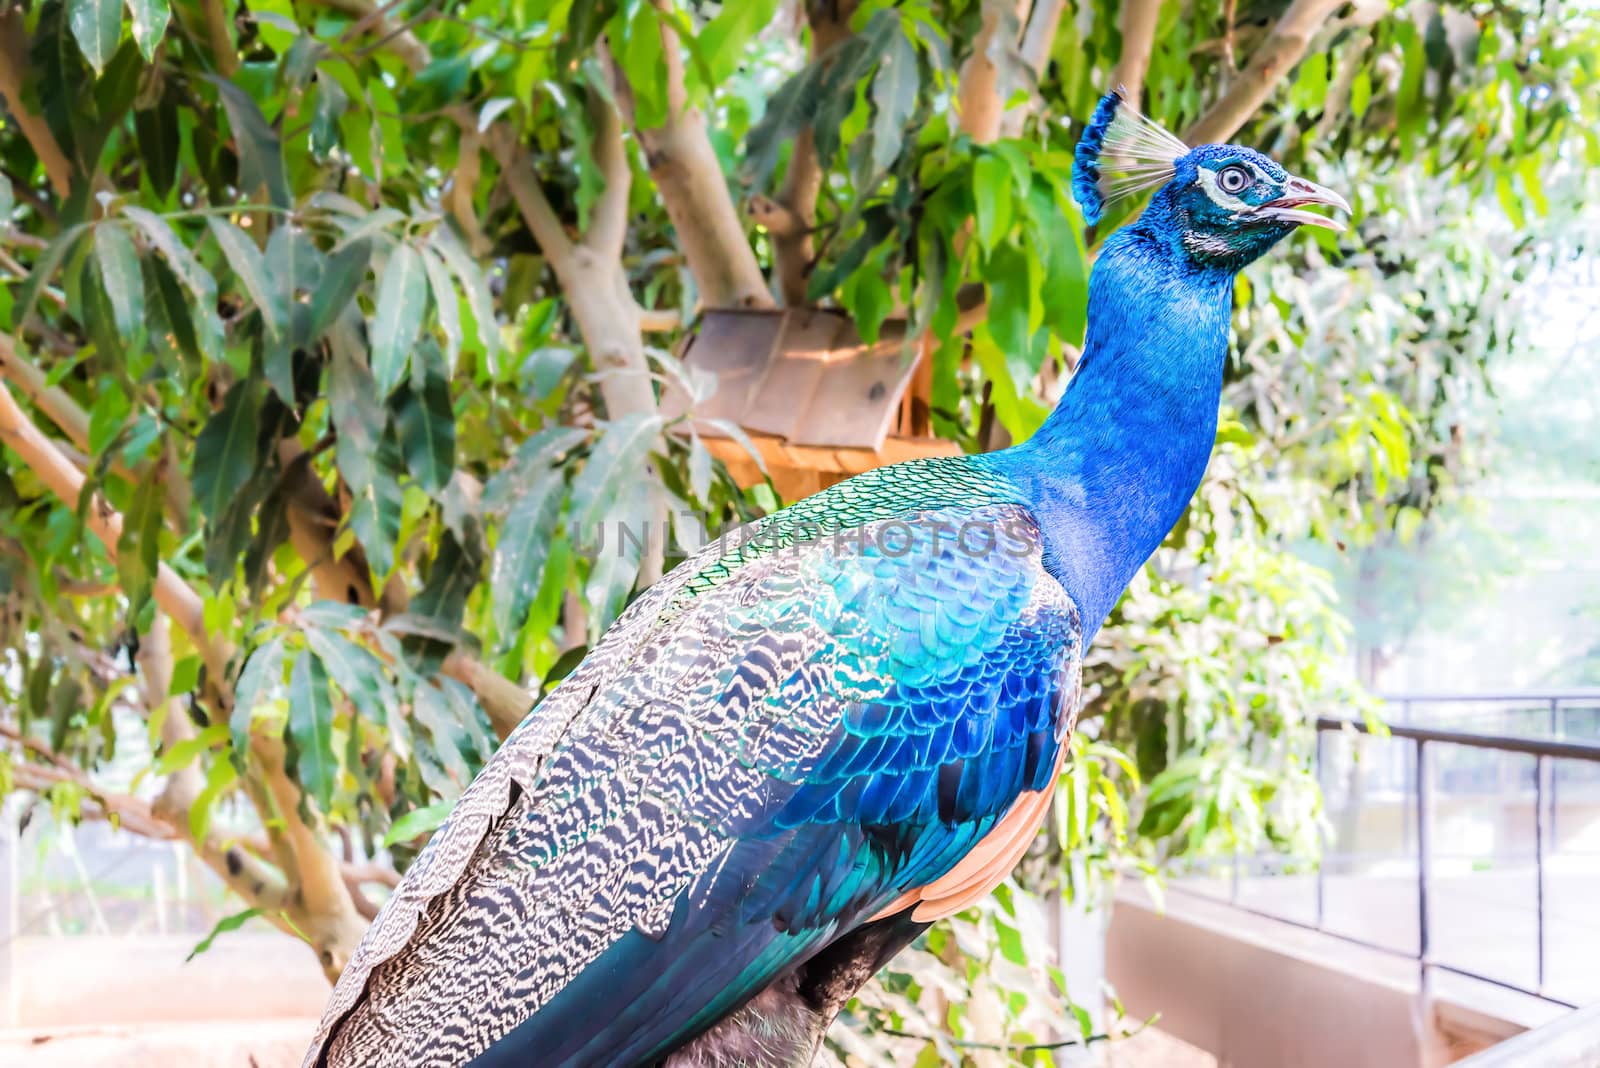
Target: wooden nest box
[818, 403]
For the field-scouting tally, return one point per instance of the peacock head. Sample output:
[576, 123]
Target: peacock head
[1223, 205]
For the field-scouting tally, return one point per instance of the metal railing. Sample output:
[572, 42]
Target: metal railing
[1424, 742]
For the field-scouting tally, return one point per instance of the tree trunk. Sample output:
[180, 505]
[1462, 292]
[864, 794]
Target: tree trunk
[689, 177]
[1274, 59]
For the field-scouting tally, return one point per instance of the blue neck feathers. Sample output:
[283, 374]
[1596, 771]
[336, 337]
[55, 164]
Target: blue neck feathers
[1114, 466]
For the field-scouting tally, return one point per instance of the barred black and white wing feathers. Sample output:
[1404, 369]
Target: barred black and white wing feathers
[719, 791]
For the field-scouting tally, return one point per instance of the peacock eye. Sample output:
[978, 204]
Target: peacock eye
[1233, 179]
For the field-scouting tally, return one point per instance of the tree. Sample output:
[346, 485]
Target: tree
[333, 339]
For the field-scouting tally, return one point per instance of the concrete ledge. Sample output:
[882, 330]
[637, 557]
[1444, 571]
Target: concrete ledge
[225, 1044]
[103, 981]
[1261, 994]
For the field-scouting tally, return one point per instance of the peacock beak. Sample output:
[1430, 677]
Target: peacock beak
[1297, 194]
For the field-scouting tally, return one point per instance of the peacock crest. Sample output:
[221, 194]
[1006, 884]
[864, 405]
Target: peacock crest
[1122, 152]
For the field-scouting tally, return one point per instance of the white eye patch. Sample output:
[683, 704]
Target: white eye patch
[1220, 197]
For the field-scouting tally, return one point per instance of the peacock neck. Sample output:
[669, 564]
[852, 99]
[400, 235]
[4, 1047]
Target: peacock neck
[1113, 467]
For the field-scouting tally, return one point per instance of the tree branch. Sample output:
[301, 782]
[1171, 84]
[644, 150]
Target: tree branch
[1269, 64]
[609, 226]
[978, 94]
[516, 171]
[659, 320]
[506, 703]
[791, 218]
[1137, 25]
[13, 66]
[318, 903]
[1038, 37]
[1040, 34]
[397, 39]
[223, 52]
[689, 178]
[73, 421]
[255, 883]
[64, 479]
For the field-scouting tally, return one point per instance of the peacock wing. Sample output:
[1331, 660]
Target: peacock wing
[740, 775]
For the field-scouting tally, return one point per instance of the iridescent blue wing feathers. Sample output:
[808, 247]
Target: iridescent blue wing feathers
[822, 732]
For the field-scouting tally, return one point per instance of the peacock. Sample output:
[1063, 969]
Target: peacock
[802, 747]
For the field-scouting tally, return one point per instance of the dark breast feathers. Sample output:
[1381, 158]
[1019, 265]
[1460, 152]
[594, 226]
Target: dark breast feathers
[741, 772]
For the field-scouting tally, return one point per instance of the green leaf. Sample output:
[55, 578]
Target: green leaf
[183, 263]
[615, 461]
[534, 458]
[224, 925]
[614, 568]
[247, 262]
[417, 822]
[311, 728]
[643, 63]
[1008, 307]
[149, 24]
[991, 191]
[520, 554]
[97, 27]
[8, 202]
[139, 545]
[160, 141]
[219, 777]
[1065, 292]
[465, 268]
[492, 110]
[341, 278]
[88, 301]
[1360, 94]
[788, 110]
[453, 572]
[225, 452]
[107, 417]
[446, 301]
[725, 38]
[356, 672]
[426, 426]
[332, 103]
[894, 98]
[260, 150]
[297, 270]
[331, 615]
[167, 324]
[43, 268]
[119, 271]
[356, 409]
[700, 469]
[300, 62]
[181, 754]
[402, 302]
[263, 669]
[432, 711]
[867, 296]
[365, 225]
[733, 430]
[877, 224]
[375, 512]
[1510, 202]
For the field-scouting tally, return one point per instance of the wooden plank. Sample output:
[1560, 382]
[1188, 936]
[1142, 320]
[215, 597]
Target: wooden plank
[736, 347]
[787, 393]
[856, 401]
